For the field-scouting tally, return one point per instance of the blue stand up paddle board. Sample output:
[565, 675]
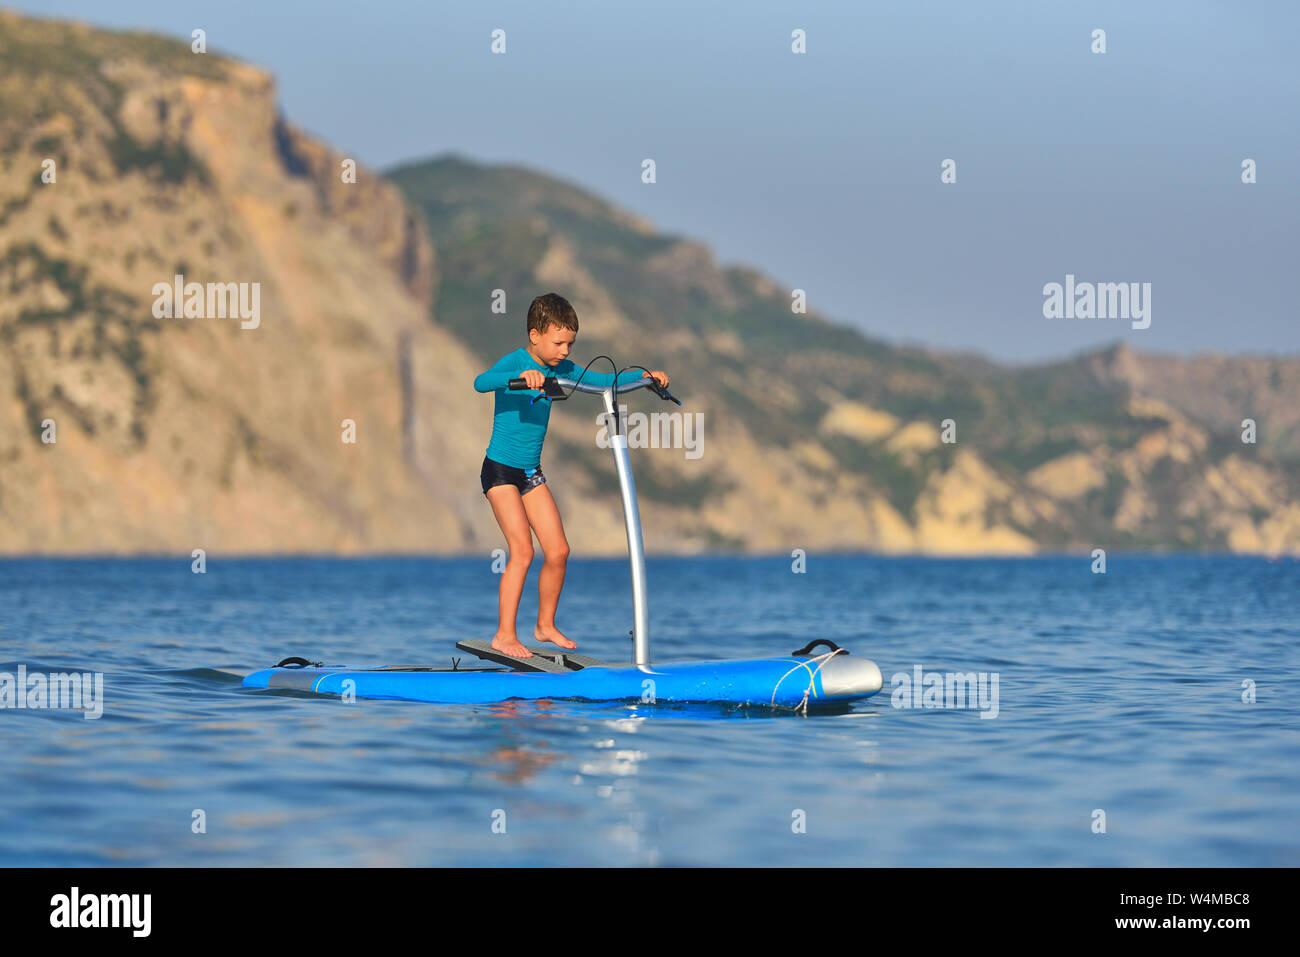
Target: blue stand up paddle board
[797, 680]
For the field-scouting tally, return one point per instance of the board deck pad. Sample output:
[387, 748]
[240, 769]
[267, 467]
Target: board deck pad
[550, 660]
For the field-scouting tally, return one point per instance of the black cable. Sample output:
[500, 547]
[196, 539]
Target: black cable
[585, 369]
[661, 391]
[613, 365]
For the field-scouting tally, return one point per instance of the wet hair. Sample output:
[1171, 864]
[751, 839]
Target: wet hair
[551, 310]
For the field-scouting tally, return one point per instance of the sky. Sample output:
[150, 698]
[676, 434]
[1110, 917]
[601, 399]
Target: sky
[822, 169]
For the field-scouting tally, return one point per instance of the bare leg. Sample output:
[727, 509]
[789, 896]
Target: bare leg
[509, 510]
[544, 517]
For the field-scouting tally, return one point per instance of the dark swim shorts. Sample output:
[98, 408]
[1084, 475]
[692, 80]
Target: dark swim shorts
[496, 473]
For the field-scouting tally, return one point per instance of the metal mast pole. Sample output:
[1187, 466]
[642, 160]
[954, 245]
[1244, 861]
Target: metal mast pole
[632, 518]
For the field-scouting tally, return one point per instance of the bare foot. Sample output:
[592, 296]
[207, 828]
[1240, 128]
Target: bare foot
[511, 646]
[553, 634]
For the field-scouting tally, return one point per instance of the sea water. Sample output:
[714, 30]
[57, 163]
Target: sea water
[1144, 716]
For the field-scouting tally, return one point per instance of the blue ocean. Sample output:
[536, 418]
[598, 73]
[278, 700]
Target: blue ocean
[1146, 716]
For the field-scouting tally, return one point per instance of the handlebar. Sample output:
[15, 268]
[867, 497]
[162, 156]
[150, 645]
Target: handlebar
[553, 387]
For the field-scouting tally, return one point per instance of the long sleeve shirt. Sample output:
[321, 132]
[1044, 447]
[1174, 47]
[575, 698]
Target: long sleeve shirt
[519, 424]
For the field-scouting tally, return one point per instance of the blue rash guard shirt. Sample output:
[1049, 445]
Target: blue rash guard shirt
[518, 428]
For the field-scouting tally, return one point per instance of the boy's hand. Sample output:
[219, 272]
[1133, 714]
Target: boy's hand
[532, 378]
[660, 377]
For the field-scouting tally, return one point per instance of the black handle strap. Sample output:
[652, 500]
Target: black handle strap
[807, 649]
[299, 662]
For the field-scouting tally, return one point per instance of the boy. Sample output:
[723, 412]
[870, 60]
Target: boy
[512, 474]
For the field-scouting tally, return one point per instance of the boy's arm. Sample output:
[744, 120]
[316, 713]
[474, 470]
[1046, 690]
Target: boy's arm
[499, 376]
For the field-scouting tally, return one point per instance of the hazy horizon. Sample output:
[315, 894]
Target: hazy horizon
[821, 170]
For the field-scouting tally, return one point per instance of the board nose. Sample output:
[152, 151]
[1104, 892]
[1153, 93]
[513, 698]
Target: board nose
[846, 675]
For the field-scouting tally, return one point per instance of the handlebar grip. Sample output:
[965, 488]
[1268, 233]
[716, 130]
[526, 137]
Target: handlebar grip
[517, 384]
